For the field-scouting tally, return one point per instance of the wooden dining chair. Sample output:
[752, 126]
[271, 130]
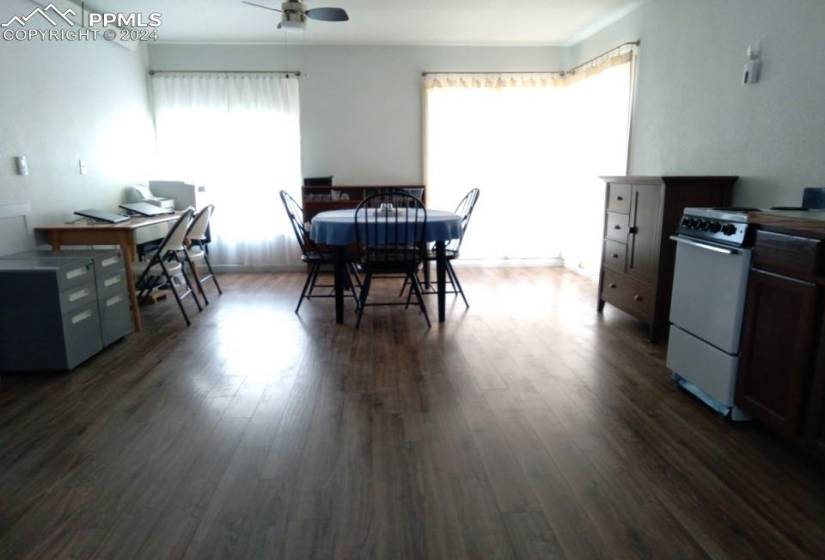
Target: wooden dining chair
[389, 231]
[166, 268]
[315, 257]
[452, 251]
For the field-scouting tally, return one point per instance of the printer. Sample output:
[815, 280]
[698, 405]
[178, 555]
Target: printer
[142, 193]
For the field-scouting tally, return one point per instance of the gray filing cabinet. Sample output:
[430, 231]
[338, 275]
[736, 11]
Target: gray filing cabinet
[111, 284]
[49, 318]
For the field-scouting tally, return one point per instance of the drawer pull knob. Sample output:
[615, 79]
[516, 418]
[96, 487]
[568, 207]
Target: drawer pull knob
[617, 226]
[619, 198]
[615, 256]
[637, 297]
[612, 286]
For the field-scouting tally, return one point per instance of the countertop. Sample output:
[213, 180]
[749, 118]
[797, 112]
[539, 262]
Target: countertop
[805, 224]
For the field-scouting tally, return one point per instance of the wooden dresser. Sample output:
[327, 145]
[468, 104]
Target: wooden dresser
[638, 255]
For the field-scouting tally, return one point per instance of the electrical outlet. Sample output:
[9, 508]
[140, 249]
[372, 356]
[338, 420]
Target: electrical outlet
[84, 170]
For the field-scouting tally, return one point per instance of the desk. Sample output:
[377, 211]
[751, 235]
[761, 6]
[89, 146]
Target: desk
[124, 235]
[336, 228]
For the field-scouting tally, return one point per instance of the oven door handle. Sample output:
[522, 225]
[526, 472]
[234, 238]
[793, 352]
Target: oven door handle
[714, 248]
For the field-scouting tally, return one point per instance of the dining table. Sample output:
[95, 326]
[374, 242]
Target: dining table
[336, 229]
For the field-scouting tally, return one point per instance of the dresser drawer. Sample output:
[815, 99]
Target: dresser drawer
[77, 297]
[628, 294]
[115, 318]
[615, 255]
[789, 255]
[74, 273]
[618, 198]
[617, 226]
[111, 283]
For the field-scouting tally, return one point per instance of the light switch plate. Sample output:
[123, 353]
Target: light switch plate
[84, 170]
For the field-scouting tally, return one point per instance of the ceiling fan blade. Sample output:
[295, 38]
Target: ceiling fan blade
[327, 14]
[261, 6]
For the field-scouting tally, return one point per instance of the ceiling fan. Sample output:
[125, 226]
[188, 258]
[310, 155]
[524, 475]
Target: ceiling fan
[294, 14]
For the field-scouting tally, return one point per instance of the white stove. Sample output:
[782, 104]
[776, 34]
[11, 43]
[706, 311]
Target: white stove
[709, 287]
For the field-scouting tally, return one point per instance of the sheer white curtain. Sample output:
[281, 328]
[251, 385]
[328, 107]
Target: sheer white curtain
[238, 135]
[535, 145]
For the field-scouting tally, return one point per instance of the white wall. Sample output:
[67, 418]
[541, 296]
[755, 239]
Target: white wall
[63, 101]
[360, 106]
[693, 115]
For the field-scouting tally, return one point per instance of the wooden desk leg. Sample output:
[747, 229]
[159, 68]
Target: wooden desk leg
[129, 250]
[340, 257]
[54, 240]
[440, 275]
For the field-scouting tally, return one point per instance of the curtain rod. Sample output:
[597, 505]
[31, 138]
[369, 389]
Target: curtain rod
[153, 72]
[577, 67]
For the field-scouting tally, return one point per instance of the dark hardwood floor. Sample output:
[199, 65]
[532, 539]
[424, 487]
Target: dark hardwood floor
[526, 427]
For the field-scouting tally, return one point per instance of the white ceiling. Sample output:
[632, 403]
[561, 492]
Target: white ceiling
[398, 22]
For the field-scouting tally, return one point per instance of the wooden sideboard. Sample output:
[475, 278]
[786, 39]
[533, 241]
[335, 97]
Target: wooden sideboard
[317, 199]
[638, 256]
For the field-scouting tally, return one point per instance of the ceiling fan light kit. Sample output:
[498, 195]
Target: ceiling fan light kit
[294, 14]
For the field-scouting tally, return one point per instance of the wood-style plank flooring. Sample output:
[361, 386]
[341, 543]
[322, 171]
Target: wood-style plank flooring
[526, 427]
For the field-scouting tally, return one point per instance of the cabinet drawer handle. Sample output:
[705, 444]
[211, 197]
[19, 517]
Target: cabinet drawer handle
[615, 256]
[613, 286]
[638, 297]
[617, 226]
[109, 262]
[634, 230]
[111, 281]
[619, 198]
[81, 317]
[75, 272]
[114, 300]
[78, 294]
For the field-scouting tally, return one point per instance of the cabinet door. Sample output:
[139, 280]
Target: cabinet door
[778, 350]
[645, 231]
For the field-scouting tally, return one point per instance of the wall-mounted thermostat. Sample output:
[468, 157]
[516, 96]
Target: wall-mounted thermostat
[21, 165]
[752, 67]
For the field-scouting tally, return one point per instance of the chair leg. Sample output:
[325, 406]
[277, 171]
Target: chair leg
[355, 274]
[409, 292]
[365, 290]
[209, 267]
[306, 287]
[404, 286]
[456, 283]
[420, 297]
[315, 272]
[189, 284]
[175, 293]
[195, 276]
[352, 288]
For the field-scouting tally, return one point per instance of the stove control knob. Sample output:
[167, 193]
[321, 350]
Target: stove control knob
[694, 223]
[728, 229]
[715, 227]
[704, 225]
[685, 222]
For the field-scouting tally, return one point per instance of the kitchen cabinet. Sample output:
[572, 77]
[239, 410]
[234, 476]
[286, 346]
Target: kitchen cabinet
[781, 378]
[641, 213]
[777, 353]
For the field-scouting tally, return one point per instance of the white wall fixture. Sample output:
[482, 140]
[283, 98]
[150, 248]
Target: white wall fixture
[21, 164]
[753, 66]
[82, 167]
